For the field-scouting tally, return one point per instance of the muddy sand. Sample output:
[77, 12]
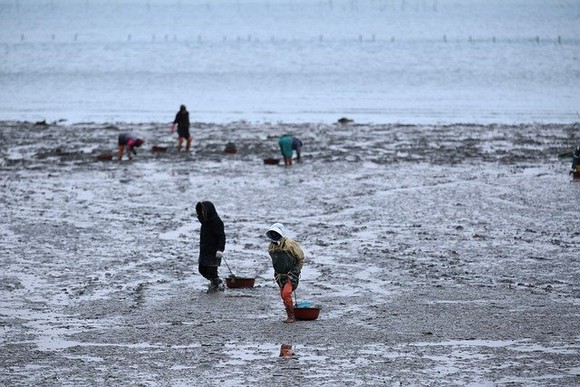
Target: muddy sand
[440, 255]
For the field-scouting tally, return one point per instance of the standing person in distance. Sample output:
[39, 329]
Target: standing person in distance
[212, 242]
[575, 160]
[287, 259]
[182, 122]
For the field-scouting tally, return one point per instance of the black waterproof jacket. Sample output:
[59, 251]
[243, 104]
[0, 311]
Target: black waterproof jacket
[182, 120]
[212, 237]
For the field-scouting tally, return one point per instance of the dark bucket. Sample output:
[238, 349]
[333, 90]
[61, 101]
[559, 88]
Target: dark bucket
[107, 156]
[240, 282]
[231, 148]
[271, 161]
[310, 313]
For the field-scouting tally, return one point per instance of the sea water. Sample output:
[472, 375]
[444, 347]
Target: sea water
[374, 61]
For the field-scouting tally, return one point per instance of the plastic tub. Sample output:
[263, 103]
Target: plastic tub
[307, 313]
[271, 161]
[240, 282]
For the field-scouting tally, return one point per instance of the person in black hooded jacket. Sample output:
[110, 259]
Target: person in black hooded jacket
[182, 122]
[212, 242]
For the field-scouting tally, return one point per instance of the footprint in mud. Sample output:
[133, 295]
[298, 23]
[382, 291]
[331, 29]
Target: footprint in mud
[10, 284]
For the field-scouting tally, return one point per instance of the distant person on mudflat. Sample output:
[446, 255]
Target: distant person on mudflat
[287, 259]
[182, 122]
[575, 160]
[288, 144]
[212, 242]
[128, 141]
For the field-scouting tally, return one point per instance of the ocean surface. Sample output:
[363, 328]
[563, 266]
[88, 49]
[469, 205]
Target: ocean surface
[375, 61]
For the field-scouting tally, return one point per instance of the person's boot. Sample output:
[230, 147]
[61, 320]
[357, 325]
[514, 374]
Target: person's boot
[220, 285]
[212, 288]
[216, 285]
[290, 316]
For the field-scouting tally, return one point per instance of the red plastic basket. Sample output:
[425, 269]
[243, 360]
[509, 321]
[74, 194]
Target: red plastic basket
[306, 313]
[240, 282]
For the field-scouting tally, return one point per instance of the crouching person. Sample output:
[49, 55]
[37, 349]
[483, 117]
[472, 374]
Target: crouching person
[287, 260]
[212, 242]
[128, 141]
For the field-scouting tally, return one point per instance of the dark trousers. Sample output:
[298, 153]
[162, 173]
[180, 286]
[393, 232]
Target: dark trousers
[209, 272]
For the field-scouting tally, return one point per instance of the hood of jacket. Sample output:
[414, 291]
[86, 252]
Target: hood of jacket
[277, 228]
[205, 211]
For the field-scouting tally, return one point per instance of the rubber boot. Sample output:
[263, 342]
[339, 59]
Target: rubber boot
[216, 285]
[211, 288]
[290, 316]
[220, 285]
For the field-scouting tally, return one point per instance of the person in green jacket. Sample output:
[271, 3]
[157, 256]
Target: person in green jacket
[287, 260]
[288, 144]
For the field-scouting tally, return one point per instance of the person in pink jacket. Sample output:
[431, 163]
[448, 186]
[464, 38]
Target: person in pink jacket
[128, 141]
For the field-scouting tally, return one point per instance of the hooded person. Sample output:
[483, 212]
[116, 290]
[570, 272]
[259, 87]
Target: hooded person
[285, 143]
[212, 242]
[287, 259]
[288, 144]
[182, 122]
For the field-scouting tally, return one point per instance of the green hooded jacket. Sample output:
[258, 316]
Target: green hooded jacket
[286, 254]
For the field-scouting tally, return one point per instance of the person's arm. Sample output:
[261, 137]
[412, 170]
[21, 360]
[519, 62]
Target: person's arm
[175, 121]
[296, 251]
[221, 236]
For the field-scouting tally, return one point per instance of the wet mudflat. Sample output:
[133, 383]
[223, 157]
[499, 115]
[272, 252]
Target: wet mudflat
[441, 255]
